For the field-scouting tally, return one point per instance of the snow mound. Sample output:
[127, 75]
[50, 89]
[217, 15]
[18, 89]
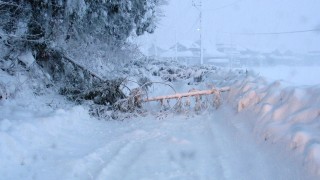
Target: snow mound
[288, 115]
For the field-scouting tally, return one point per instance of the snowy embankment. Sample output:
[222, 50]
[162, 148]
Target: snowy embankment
[289, 115]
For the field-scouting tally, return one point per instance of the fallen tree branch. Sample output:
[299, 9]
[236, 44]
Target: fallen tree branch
[83, 68]
[189, 94]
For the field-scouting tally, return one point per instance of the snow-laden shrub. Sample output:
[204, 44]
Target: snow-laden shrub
[40, 24]
[105, 93]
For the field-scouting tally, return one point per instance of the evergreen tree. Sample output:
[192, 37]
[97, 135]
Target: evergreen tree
[45, 23]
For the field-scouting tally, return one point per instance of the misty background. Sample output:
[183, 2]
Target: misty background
[243, 24]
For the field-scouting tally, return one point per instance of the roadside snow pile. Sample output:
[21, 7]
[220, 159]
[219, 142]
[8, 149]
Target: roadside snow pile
[288, 115]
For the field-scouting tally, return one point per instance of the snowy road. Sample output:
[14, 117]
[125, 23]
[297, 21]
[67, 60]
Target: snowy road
[71, 145]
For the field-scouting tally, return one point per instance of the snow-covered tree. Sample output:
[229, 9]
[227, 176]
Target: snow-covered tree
[45, 23]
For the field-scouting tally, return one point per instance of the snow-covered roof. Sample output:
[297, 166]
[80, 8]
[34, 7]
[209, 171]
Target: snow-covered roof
[218, 60]
[172, 53]
[214, 53]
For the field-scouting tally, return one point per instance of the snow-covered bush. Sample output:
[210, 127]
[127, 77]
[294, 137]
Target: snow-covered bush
[52, 23]
[94, 32]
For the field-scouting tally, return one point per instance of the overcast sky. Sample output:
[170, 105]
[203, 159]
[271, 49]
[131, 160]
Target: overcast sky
[221, 17]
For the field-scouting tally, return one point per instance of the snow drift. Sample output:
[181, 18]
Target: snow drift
[287, 115]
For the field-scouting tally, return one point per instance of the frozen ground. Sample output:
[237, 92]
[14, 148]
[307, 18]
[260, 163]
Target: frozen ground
[243, 139]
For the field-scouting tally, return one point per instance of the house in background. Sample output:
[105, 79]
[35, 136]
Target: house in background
[189, 53]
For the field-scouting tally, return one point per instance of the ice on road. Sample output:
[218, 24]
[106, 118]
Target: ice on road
[71, 145]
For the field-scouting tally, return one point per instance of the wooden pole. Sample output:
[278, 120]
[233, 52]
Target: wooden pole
[189, 94]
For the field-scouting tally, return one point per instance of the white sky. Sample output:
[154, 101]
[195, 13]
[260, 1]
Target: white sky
[244, 16]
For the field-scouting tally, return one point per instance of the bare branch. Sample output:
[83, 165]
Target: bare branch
[160, 83]
[9, 4]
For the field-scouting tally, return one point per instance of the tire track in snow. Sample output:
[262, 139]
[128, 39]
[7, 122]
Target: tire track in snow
[127, 155]
[92, 164]
[88, 166]
[211, 146]
[184, 152]
[209, 164]
[121, 161]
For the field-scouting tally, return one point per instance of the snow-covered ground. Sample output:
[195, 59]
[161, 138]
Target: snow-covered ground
[262, 131]
[68, 144]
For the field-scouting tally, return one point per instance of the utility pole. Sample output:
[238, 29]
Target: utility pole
[176, 45]
[155, 48]
[199, 7]
[175, 37]
[201, 42]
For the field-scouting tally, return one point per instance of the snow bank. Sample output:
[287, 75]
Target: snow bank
[288, 115]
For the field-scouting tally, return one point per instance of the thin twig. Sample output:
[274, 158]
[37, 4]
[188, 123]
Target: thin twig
[145, 84]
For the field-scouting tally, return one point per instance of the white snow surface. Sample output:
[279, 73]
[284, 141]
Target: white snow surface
[262, 131]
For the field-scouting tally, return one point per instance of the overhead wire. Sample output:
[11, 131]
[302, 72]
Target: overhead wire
[172, 21]
[232, 34]
[272, 33]
[224, 6]
[191, 27]
[186, 8]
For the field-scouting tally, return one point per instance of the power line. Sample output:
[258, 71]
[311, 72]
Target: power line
[186, 8]
[191, 27]
[224, 6]
[274, 33]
